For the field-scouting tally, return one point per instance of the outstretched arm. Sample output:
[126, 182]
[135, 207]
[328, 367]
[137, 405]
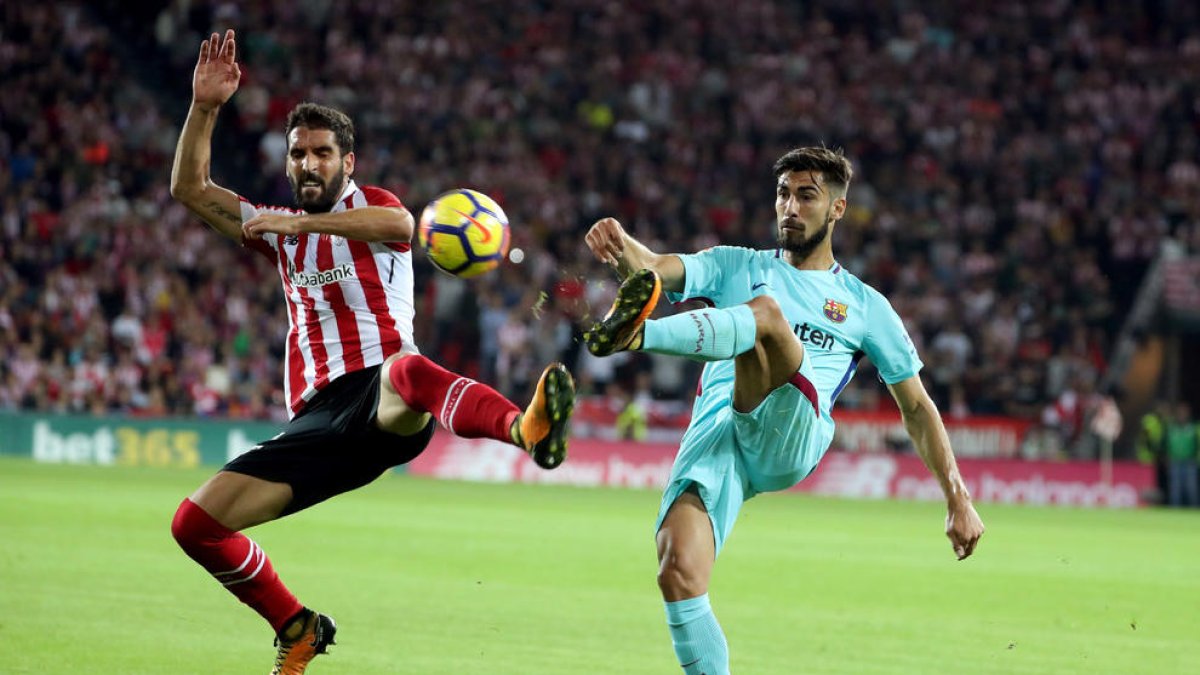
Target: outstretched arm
[365, 223]
[613, 245]
[213, 83]
[925, 428]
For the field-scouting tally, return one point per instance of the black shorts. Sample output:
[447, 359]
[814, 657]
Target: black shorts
[333, 445]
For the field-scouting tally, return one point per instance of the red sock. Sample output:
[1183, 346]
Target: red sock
[235, 561]
[466, 407]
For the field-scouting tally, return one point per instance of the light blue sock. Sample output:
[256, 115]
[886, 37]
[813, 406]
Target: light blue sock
[699, 642]
[703, 334]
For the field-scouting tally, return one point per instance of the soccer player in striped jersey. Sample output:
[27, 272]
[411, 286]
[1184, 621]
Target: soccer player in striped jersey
[783, 335]
[360, 398]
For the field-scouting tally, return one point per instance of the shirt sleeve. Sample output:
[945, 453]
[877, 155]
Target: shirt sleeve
[706, 272]
[269, 242]
[377, 196]
[887, 342]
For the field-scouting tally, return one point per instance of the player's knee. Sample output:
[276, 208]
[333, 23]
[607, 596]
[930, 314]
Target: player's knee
[178, 527]
[396, 365]
[768, 317]
[189, 525]
[681, 576]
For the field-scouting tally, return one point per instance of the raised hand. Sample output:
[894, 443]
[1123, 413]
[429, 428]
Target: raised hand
[606, 239]
[217, 72]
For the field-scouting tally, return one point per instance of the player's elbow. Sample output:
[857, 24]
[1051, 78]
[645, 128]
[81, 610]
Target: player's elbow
[918, 409]
[403, 225]
[185, 191]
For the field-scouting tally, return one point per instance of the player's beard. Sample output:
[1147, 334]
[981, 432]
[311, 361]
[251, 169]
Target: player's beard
[804, 248]
[323, 202]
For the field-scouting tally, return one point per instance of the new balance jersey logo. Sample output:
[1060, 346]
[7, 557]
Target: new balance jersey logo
[320, 277]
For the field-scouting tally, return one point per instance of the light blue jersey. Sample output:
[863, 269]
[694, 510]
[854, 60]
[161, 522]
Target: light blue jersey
[731, 456]
[837, 317]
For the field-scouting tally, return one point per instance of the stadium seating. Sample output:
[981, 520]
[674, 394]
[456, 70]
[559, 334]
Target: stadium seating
[1009, 170]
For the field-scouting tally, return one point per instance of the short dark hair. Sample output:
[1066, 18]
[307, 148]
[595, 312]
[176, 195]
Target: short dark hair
[316, 116]
[832, 164]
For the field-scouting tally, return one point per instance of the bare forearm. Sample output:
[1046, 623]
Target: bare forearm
[612, 245]
[638, 256]
[928, 434]
[635, 257]
[367, 223]
[925, 428]
[191, 183]
[193, 153]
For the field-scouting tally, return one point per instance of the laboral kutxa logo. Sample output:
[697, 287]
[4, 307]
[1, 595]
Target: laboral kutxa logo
[835, 311]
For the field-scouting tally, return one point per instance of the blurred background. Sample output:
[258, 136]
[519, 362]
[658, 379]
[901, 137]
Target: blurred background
[1027, 194]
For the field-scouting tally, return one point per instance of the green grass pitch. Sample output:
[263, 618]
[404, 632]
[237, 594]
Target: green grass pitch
[428, 577]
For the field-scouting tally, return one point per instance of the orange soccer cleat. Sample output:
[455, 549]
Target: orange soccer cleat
[294, 655]
[544, 427]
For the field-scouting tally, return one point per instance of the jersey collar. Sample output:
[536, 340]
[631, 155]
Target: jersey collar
[343, 199]
[833, 269]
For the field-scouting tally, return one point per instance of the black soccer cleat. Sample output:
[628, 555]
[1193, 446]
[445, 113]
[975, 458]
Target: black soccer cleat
[636, 300]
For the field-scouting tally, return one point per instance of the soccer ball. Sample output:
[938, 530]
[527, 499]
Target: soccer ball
[464, 233]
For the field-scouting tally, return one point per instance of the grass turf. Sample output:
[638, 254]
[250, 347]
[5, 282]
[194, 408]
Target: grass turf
[428, 577]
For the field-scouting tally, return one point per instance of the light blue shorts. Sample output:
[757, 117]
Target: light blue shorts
[733, 456]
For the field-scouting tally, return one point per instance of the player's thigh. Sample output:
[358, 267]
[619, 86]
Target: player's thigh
[775, 358]
[686, 549]
[781, 441]
[708, 466]
[394, 415]
[238, 501]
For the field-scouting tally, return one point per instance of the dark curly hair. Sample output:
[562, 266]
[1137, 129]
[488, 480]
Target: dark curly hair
[316, 116]
[832, 164]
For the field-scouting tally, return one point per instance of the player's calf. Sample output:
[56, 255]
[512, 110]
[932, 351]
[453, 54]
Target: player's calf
[472, 409]
[704, 335]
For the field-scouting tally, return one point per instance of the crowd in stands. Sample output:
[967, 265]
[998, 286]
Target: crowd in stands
[1017, 165]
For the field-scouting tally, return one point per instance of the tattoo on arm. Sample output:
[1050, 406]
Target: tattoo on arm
[217, 209]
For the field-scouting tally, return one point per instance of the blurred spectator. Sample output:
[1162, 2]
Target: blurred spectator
[1151, 446]
[1182, 438]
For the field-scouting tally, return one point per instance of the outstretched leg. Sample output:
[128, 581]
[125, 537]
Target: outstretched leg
[686, 552]
[416, 388]
[756, 335]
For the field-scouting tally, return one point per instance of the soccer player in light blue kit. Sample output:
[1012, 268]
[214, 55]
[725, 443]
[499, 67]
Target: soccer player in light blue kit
[782, 338]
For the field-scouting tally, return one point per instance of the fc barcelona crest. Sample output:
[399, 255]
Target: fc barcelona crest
[835, 311]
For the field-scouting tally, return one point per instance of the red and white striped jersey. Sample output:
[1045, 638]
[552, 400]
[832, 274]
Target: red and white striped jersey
[350, 303]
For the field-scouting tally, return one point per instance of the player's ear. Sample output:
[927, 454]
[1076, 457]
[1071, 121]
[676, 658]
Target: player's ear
[348, 163]
[839, 207]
